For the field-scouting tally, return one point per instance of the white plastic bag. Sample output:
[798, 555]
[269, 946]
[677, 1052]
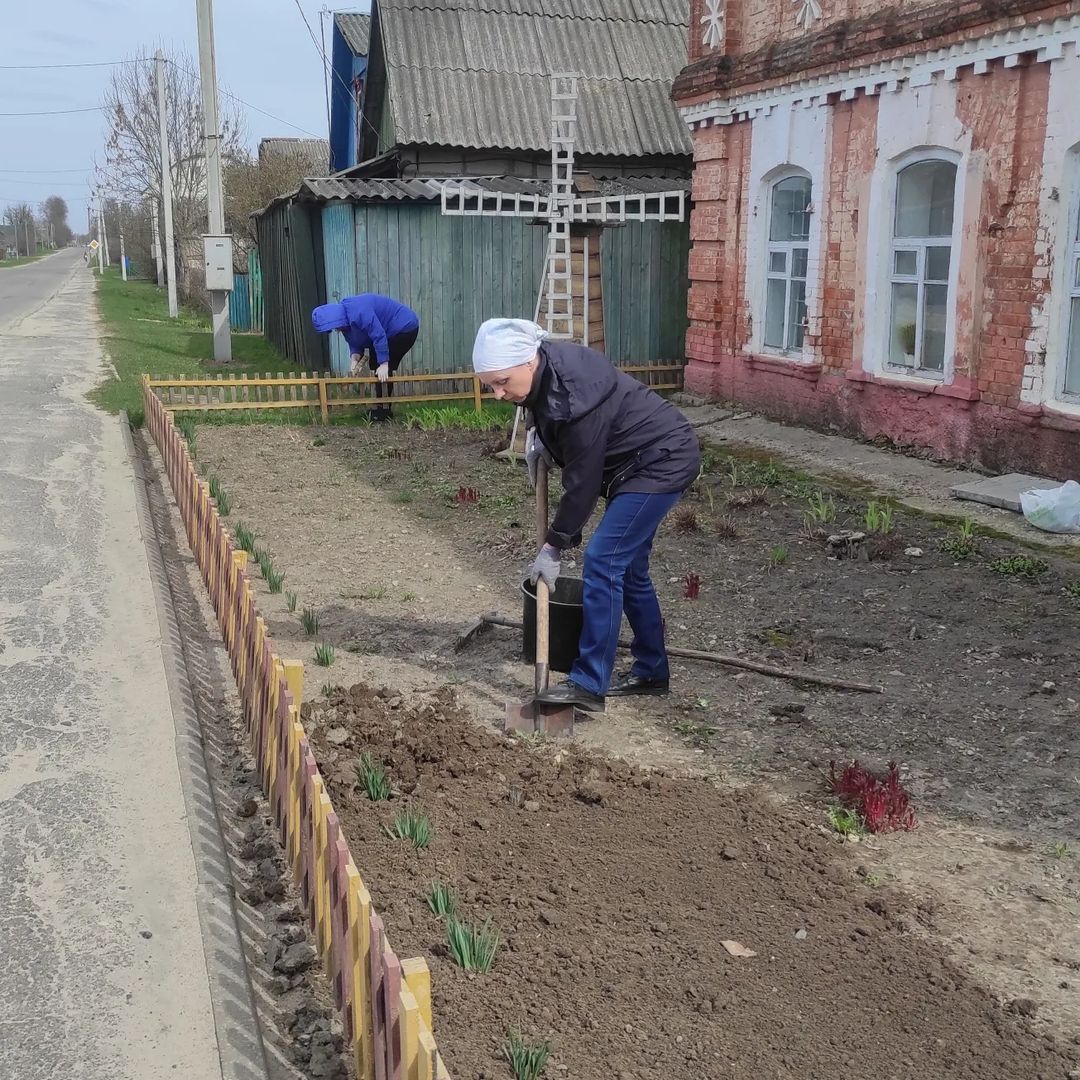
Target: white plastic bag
[1054, 510]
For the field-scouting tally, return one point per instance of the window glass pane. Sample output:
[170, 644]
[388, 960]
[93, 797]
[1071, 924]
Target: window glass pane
[775, 298]
[796, 314]
[1072, 357]
[790, 215]
[924, 199]
[937, 264]
[1076, 275]
[902, 343]
[777, 262]
[798, 262]
[935, 319]
[906, 263]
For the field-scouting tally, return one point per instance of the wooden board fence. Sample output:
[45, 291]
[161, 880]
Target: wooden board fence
[385, 1003]
[311, 391]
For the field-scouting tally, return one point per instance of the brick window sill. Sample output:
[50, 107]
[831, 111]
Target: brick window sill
[1048, 417]
[778, 365]
[958, 391]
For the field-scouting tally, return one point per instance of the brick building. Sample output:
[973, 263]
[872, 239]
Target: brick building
[886, 235]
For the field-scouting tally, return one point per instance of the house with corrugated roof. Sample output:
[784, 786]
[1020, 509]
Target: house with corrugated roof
[462, 89]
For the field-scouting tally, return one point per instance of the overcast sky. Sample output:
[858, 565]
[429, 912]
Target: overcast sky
[264, 55]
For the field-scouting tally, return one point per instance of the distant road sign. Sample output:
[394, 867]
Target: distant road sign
[94, 245]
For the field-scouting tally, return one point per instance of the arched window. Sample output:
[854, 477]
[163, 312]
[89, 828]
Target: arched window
[921, 260]
[785, 264]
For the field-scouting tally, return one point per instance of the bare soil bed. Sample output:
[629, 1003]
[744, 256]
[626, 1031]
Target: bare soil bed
[978, 709]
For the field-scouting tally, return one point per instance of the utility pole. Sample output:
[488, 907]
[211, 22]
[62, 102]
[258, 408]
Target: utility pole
[104, 231]
[26, 229]
[156, 233]
[166, 186]
[323, 12]
[123, 258]
[217, 246]
[100, 236]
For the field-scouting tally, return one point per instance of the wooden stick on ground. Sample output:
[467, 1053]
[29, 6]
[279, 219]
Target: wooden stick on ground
[494, 619]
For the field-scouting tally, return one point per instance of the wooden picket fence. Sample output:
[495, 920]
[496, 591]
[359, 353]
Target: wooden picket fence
[385, 1003]
[308, 390]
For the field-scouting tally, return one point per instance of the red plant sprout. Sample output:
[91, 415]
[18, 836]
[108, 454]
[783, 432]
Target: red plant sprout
[691, 586]
[467, 495]
[880, 800]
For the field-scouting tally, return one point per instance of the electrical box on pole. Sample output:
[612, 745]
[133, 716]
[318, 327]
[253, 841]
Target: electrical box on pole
[218, 255]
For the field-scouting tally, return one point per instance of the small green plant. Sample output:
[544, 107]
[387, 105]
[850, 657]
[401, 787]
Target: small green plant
[416, 828]
[1073, 590]
[309, 619]
[845, 822]
[274, 579]
[778, 556]
[734, 474]
[186, 426]
[224, 504]
[1022, 566]
[403, 497]
[878, 518]
[441, 899]
[819, 509]
[1061, 850]
[409, 597]
[959, 543]
[329, 688]
[245, 538]
[290, 601]
[905, 335]
[740, 500]
[527, 1060]
[472, 947]
[372, 778]
[873, 880]
[214, 484]
[318, 441]
[266, 564]
[324, 655]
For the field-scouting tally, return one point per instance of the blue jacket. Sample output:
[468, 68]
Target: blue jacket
[608, 432]
[367, 320]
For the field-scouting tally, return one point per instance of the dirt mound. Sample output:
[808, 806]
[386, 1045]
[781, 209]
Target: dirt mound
[615, 891]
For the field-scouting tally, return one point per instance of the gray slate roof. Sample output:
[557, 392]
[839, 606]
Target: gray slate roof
[431, 190]
[355, 29]
[475, 73]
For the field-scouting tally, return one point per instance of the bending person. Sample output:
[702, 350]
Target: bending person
[377, 325]
[613, 437]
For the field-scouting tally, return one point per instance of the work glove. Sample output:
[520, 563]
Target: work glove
[534, 451]
[357, 363]
[383, 372]
[546, 565]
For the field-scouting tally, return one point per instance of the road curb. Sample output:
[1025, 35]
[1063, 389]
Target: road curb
[241, 1051]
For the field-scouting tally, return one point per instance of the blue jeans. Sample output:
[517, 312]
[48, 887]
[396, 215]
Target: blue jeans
[616, 579]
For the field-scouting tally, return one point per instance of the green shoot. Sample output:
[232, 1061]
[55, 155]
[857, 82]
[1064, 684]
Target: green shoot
[274, 579]
[215, 487]
[290, 601]
[309, 619]
[472, 947]
[845, 822]
[224, 504]
[819, 509]
[527, 1060]
[245, 538]
[372, 778]
[959, 544]
[266, 564]
[1073, 590]
[1023, 566]
[778, 556]
[403, 496]
[329, 688]
[879, 518]
[324, 655]
[441, 899]
[415, 828]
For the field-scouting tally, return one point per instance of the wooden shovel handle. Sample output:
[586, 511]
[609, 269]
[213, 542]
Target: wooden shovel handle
[543, 624]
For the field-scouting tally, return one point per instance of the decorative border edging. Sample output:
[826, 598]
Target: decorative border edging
[385, 1003]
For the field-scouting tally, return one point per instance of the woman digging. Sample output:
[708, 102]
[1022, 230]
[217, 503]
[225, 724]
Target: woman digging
[378, 325]
[613, 437]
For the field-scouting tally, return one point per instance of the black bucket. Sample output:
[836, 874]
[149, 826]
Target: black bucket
[564, 621]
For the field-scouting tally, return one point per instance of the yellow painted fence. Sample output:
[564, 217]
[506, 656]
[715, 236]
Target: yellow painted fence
[323, 392]
[385, 1002]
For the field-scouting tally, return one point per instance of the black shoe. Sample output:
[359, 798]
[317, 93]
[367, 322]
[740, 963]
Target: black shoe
[572, 694]
[636, 686]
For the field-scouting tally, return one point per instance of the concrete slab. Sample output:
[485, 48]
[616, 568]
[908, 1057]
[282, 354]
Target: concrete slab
[1003, 491]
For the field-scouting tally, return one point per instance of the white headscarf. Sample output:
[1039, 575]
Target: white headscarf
[506, 343]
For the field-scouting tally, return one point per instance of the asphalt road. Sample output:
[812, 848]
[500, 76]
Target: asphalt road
[102, 965]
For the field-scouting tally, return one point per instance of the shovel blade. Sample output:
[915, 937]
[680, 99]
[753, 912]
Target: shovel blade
[536, 716]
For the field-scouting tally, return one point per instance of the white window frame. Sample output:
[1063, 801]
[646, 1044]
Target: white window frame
[920, 245]
[1070, 281]
[787, 247]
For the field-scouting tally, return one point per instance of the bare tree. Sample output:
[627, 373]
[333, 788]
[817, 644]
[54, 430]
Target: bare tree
[251, 184]
[21, 218]
[133, 153]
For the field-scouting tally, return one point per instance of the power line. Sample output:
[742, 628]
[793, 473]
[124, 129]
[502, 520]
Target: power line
[246, 104]
[98, 63]
[55, 112]
[43, 172]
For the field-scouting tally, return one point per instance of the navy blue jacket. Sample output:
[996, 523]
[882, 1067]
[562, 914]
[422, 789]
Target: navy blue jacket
[608, 432]
[372, 320]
